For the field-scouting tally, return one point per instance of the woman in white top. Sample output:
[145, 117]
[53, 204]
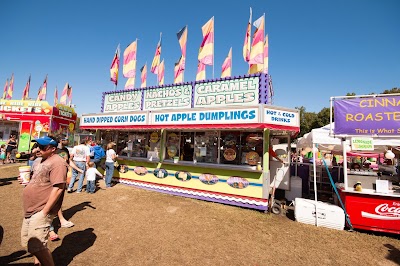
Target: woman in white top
[110, 159]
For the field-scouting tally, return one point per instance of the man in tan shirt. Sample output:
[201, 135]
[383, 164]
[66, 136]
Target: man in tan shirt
[42, 198]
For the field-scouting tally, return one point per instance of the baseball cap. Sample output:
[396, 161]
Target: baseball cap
[44, 141]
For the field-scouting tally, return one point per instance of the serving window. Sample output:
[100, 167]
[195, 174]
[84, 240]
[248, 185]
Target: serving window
[140, 144]
[216, 147]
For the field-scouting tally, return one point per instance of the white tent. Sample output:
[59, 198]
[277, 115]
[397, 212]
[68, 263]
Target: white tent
[320, 139]
[323, 141]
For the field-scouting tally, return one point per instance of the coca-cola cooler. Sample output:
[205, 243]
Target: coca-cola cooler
[373, 211]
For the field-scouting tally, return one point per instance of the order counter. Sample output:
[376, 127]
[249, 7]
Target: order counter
[373, 205]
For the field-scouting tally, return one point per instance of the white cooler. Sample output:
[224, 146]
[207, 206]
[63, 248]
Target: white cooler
[329, 215]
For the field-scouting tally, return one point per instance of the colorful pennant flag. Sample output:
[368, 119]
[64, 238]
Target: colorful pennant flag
[10, 88]
[130, 84]
[63, 98]
[156, 60]
[255, 68]
[257, 48]
[69, 95]
[265, 67]
[143, 76]
[55, 96]
[182, 38]
[129, 68]
[42, 91]
[5, 90]
[178, 70]
[206, 51]
[25, 93]
[180, 66]
[115, 67]
[227, 65]
[247, 42]
[201, 71]
[161, 70]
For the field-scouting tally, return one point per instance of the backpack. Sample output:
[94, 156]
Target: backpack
[98, 152]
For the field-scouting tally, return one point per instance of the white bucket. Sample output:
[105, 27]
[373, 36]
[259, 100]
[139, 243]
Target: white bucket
[25, 174]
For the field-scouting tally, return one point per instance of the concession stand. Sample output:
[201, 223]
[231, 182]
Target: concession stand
[207, 140]
[371, 195]
[32, 119]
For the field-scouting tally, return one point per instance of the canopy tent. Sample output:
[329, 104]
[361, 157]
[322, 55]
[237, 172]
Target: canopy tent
[320, 139]
[323, 141]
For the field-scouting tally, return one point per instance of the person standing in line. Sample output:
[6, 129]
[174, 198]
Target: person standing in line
[3, 153]
[98, 153]
[42, 198]
[80, 155]
[11, 144]
[91, 173]
[110, 159]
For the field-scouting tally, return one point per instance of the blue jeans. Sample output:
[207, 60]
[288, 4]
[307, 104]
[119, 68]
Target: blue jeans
[75, 173]
[109, 173]
[96, 162]
[90, 186]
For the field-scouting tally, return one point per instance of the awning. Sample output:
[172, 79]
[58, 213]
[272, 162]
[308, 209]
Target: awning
[293, 130]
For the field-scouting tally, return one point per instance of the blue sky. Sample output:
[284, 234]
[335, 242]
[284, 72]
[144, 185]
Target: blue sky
[317, 49]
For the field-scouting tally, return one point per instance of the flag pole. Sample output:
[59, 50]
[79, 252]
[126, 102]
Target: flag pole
[263, 68]
[251, 26]
[184, 56]
[213, 45]
[159, 61]
[119, 59]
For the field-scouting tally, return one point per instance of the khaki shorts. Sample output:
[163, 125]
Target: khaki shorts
[35, 232]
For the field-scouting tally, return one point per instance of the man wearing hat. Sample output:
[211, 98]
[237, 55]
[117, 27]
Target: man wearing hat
[42, 198]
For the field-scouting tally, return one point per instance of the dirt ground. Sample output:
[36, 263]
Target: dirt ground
[129, 226]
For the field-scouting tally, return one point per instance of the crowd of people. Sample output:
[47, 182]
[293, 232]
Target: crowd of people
[42, 197]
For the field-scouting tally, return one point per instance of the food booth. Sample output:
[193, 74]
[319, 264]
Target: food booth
[207, 140]
[371, 195]
[32, 119]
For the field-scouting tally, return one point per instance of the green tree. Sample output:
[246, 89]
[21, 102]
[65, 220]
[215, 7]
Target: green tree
[306, 120]
[394, 90]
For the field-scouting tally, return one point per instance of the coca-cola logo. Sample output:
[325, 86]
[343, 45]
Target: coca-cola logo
[386, 210]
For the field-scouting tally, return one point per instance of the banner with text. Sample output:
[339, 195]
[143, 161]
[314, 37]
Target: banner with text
[139, 118]
[367, 116]
[226, 116]
[122, 101]
[244, 91]
[281, 117]
[174, 97]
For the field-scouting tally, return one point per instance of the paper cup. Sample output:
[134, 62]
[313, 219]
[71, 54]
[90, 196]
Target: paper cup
[25, 174]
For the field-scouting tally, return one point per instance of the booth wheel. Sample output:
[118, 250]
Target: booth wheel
[276, 209]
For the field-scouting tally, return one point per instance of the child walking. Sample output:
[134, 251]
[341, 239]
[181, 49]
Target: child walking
[91, 178]
[3, 153]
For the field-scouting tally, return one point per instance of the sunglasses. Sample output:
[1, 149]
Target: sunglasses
[44, 148]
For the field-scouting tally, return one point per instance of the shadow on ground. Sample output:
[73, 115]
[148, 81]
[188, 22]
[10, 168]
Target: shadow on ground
[7, 181]
[394, 253]
[72, 245]
[18, 255]
[68, 213]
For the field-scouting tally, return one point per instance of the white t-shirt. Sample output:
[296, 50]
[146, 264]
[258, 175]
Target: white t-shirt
[91, 174]
[109, 154]
[80, 152]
